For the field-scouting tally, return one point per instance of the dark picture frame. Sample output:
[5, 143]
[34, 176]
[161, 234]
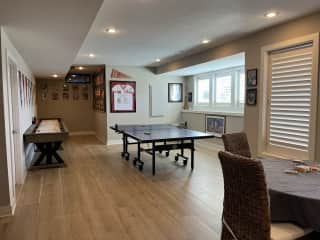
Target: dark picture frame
[215, 124]
[251, 97]
[175, 92]
[122, 96]
[252, 78]
[99, 92]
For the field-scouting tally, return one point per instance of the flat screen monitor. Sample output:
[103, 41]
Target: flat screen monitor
[78, 78]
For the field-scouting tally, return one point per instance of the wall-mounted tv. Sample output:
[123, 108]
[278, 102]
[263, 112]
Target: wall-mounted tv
[78, 78]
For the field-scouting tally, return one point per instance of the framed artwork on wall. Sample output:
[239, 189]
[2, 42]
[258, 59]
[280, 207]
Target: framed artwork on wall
[252, 78]
[175, 92]
[251, 97]
[215, 125]
[99, 92]
[122, 96]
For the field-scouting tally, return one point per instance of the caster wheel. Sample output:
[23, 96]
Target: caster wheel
[127, 157]
[167, 154]
[122, 154]
[185, 162]
[135, 162]
[176, 158]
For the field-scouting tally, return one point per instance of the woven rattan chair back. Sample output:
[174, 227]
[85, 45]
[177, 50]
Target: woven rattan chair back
[246, 205]
[237, 143]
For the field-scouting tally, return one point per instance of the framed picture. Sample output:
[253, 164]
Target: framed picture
[252, 78]
[215, 124]
[175, 92]
[251, 97]
[99, 92]
[123, 96]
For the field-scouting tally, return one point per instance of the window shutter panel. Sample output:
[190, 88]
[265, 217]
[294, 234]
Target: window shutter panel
[290, 98]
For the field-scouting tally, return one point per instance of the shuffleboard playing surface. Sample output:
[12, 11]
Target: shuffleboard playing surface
[48, 126]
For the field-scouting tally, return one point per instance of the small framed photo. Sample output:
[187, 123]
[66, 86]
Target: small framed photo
[215, 125]
[175, 92]
[251, 97]
[252, 78]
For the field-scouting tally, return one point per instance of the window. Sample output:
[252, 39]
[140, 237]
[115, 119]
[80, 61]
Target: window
[203, 88]
[290, 108]
[221, 89]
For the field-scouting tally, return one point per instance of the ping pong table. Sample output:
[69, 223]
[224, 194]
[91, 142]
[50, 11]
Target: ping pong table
[162, 137]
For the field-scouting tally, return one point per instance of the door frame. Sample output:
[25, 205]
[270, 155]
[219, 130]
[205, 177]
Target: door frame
[15, 118]
[263, 93]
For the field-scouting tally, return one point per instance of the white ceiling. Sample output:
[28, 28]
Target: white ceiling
[165, 29]
[48, 33]
[236, 60]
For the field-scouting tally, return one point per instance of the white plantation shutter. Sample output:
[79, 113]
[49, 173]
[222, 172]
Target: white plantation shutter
[290, 100]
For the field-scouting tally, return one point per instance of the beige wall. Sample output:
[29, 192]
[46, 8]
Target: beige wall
[252, 45]
[77, 114]
[100, 126]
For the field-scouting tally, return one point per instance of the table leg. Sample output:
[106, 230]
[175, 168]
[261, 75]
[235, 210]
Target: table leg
[56, 147]
[49, 153]
[125, 154]
[192, 154]
[137, 160]
[153, 159]
[123, 145]
[167, 152]
[41, 147]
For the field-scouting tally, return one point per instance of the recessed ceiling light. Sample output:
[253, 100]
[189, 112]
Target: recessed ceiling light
[111, 30]
[91, 55]
[158, 60]
[55, 75]
[205, 41]
[271, 14]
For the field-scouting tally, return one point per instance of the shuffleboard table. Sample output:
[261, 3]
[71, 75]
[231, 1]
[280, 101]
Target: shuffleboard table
[47, 135]
[163, 137]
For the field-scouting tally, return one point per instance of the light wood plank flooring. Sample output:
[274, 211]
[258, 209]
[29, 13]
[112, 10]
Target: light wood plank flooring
[101, 196]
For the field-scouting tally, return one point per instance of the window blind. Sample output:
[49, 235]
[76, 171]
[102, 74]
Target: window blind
[290, 98]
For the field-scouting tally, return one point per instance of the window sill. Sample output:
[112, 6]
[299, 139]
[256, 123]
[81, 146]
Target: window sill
[224, 113]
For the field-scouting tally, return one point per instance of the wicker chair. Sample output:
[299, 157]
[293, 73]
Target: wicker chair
[246, 213]
[236, 143]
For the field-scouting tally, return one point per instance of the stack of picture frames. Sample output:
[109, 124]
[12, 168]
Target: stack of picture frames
[251, 88]
[26, 91]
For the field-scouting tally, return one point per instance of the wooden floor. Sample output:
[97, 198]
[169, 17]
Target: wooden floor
[101, 196]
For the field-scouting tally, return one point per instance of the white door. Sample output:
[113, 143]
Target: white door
[15, 125]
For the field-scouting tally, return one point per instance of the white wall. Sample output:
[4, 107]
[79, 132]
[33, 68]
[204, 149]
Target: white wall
[143, 78]
[26, 114]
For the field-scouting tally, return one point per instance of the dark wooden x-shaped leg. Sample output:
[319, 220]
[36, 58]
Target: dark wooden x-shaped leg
[49, 151]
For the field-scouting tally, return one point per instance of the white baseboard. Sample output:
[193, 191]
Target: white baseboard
[82, 133]
[114, 142]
